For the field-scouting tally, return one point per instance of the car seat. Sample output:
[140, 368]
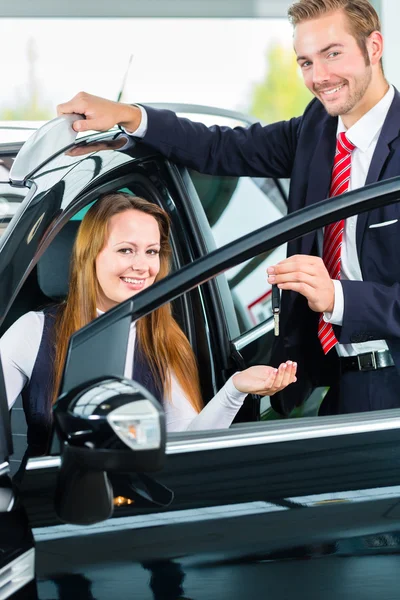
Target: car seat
[47, 283]
[53, 266]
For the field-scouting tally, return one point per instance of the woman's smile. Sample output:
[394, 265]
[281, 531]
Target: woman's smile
[134, 283]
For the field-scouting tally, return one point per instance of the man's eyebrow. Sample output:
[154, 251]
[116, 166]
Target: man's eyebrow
[322, 51]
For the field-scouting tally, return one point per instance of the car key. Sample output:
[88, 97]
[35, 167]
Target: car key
[276, 307]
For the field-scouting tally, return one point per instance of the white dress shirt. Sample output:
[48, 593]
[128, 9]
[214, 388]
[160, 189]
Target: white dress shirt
[19, 347]
[141, 131]
[364, 135]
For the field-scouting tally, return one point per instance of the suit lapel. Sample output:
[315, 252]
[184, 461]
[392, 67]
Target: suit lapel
[322, 162]
[383, 150]
[320, 172]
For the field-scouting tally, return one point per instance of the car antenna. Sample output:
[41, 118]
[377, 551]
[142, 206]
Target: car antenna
[121, 91]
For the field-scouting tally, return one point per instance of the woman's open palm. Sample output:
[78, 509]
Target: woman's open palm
[264, 380]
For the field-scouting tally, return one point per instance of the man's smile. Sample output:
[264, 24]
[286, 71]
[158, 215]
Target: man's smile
[330, 93]
[333, 91]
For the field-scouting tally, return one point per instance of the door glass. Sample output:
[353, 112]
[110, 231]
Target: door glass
[234, 207]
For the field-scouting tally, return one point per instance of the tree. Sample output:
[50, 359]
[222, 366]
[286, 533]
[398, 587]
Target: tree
[26, 112]
[282, 93]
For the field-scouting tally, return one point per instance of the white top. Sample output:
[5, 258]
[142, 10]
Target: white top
[364, 135]
[19, 347]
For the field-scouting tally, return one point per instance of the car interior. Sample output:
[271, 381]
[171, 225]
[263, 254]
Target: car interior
[48, 283]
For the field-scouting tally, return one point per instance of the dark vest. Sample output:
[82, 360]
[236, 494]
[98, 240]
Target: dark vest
[36, 395]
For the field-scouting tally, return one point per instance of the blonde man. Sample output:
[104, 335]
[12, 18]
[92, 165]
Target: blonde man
[341, 293]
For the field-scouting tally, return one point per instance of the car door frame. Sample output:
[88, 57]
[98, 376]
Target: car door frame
[237, 351]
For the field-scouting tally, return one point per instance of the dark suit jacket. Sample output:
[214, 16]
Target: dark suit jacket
[303, 149]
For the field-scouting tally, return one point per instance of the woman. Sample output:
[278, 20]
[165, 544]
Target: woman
[122, 248]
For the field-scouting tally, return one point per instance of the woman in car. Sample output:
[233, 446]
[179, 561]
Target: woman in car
[122, 248]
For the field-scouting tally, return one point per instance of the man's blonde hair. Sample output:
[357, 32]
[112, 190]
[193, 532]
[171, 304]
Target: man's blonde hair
[361, 16]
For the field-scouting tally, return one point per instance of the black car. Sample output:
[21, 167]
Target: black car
[212, 514]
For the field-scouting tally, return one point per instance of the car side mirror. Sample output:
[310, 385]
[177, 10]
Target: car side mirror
[108, 426]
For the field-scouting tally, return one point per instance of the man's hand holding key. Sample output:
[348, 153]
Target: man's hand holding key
[308, 276]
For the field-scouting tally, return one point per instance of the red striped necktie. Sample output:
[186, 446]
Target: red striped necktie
[333, 235]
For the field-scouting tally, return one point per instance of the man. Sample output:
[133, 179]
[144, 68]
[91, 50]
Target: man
[341, 294]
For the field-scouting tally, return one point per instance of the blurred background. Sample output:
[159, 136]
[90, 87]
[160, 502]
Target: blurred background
[234, 55]
[237, 64]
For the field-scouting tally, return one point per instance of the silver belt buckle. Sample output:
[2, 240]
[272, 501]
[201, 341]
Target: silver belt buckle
[366, 361]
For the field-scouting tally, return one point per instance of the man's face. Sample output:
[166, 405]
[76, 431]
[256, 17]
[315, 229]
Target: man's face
[333, 65]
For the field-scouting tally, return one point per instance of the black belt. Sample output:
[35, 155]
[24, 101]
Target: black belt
[368, 361]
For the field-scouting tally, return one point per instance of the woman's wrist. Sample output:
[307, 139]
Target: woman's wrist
[232, 387]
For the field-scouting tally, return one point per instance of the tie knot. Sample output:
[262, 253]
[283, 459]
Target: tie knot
[344, 146]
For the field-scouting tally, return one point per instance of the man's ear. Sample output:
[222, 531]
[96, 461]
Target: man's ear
[375, 47]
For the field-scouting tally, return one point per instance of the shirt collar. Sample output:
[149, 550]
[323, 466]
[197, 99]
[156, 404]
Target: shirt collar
[366, 129]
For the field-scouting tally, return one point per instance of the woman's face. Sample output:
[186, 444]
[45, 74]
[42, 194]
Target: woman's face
[130, 259]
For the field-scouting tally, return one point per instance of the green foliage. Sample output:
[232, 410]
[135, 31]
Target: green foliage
[282, 93]
[26, 112]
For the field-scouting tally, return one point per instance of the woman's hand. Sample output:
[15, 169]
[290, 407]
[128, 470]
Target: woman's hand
[265, 381]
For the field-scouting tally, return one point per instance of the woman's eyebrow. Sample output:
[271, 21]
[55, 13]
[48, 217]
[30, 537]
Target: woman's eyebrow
[124, 242]
[134, 243]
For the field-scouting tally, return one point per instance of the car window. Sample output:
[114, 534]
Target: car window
[235, 206]
[9, 204]
[10, 198]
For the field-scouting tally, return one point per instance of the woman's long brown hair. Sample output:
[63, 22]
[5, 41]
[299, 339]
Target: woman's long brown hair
[161, 339]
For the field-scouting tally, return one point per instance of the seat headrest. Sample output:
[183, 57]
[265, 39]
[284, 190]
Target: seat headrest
[53, 266]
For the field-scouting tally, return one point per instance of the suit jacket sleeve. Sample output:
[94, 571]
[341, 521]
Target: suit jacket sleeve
[371, 312]
[255, 151]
